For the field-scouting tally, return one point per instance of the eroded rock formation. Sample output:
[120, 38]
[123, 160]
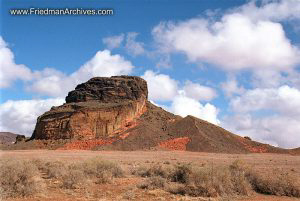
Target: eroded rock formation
[101, 107]
[114, 114]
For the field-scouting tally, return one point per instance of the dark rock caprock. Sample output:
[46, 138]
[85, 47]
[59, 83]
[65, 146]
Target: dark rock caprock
[115, 89]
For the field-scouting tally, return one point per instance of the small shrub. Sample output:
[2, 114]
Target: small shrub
[103, 171]
[210, 181]
[95, 166]
[181, 173]
[281, 185]
[104, 177]
[236, 179]
[55, 169]
[203, 182]
[129, 195]
[176, 188]
[240, 165]
[139, 171]
[18, 178]
[240, 182]
[167, 162]
[154, 170]
[40, 164]
[72, 179]
[155, 182]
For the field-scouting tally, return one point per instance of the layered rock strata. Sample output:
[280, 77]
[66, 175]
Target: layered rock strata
[100, 108]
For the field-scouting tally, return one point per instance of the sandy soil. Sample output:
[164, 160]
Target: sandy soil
[125, 188]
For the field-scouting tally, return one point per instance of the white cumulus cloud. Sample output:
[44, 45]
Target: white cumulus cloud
[184, 106]
[284, 99]
[185, 101]
[199, 92]
[113, 41]
[160, 86]
[9, 70]
[104, 64]
[270, 115]
[54, 83]
[20, 116]
[277, 130]
[272, 10]
[132, 46]
[51, 82]
[231, 87]
[235, 42]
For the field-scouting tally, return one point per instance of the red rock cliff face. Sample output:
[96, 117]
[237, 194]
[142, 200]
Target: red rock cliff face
[99, 108]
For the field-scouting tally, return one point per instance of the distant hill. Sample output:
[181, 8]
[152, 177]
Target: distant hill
[7, 137]
[295, 151]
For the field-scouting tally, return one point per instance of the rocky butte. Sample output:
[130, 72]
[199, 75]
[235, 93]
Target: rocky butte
[115, 114]
[100, 108]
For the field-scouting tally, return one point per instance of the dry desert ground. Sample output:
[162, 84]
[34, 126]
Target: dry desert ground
[132, 185]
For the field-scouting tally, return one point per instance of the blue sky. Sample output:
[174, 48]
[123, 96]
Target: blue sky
[233, 63]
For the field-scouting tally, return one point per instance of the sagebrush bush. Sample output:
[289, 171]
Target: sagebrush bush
[39, 163]
[176, 188]
[283, 184]
[19, 178]
[104, 177]
[279, 183]
[153, 170]
[181, 173]
[207, 181]
[240, 182]
[73, 178]
[96, 167]
[55, 169]
[155, 182]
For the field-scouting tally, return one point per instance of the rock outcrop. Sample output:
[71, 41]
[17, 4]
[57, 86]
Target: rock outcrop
[101, 107]
[116, 89]
[20, 138]
[114, 114]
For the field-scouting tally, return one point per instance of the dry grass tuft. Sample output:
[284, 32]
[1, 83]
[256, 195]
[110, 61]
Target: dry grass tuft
[129, 195]
[154, 170]
[210, 182]
[181, 173]
[73, 178]
[283, 184]
[19, 178]
[55, 169]
[279, 183]
[23, 178]
[96, 167]
[186, 179]
[155, 182]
